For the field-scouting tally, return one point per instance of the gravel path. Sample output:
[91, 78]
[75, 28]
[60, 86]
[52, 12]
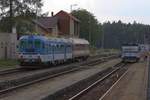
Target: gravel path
[45, 88]
[133, 86]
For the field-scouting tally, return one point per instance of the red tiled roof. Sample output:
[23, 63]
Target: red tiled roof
[48, 22]
[74, 18]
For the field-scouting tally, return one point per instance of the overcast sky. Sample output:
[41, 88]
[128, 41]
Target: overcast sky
[104, 10]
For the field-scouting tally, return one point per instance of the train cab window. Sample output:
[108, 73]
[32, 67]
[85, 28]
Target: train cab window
[30, 44]
[57, 46]
[23, 44]
[37, 44]
[43, 45]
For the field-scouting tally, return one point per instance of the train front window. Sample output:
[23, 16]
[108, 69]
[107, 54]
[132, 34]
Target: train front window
[30, 43]
[37, 44]
[23, 44]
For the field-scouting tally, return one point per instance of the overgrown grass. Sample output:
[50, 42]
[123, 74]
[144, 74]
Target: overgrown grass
[97, 51]
[8, 63]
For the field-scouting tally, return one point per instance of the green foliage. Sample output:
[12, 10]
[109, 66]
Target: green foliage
[113, 34]
[117, 33]
[90, 28]
[8, 63]
[20, 7]
[19, 13]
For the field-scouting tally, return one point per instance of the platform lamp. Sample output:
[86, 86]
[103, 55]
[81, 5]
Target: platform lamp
[71, 6]
[71, 9]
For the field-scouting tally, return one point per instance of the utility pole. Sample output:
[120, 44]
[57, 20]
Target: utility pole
[71, 6]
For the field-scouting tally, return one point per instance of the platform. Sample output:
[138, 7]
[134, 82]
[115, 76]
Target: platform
[133, 86]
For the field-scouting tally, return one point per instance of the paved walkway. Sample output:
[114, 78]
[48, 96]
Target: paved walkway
[133, 86]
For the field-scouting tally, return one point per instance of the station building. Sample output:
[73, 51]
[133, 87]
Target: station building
[60, 24]
[8, 45]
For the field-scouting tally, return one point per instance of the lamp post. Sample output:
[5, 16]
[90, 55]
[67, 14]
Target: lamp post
[71, 9]
[71, 6]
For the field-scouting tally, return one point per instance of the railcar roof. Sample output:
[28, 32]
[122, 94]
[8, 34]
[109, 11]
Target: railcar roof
[33, 37]
[59, 40]
[56, 40]
[79, 41]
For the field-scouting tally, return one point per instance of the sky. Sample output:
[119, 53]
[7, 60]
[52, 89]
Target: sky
[105, 10]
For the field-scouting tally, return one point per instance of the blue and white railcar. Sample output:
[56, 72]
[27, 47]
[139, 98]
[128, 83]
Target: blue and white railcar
[39, 50]
[34, 49]
[62, 50]
[130, 53]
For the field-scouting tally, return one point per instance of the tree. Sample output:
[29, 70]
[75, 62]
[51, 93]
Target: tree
[110, 35]
[117, 33]
[90, 28]
[15, 12]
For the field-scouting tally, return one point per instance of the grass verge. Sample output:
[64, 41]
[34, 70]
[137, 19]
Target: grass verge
[9, 63]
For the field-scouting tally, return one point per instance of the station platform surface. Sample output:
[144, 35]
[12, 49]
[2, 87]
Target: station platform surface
[133, 86]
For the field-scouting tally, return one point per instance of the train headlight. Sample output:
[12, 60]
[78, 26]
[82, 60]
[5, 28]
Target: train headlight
[21, 57]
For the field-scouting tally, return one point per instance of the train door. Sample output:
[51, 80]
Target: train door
[53, 53]
[65, 52]
[62, 51]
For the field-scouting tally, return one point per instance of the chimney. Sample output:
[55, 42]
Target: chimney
[52, 14]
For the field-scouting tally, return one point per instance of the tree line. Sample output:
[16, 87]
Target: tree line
[110, 34]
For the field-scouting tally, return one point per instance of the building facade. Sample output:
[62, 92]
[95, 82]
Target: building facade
[8, 45]
[61, 24]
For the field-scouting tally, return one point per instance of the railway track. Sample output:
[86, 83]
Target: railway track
[8, 71]
[98, 89]
[15, 70]
[11, 85]
[93, 87]
[12, 74]
[37, 80]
